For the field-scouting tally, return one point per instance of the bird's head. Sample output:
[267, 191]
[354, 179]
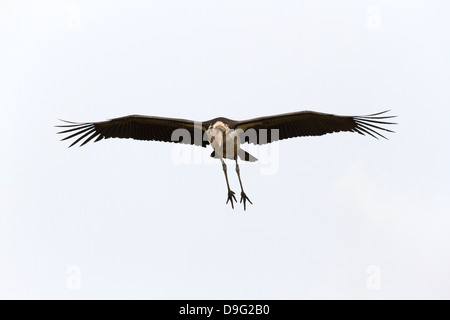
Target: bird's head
[216, 133]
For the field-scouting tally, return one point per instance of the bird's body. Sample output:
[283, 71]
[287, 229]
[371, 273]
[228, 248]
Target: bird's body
[227, 135]
[226, 142]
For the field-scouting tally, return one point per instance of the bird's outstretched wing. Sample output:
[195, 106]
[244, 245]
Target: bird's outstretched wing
[310, 123]
[137, 127]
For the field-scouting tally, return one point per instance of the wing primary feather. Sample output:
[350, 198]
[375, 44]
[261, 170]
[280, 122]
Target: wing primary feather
[77, 133]
[369, 124]
[69, 125]
[82, 137]
[365, 131]
[357, 130]
[374, 121]
[79, 127]
[74, 123]
[369, 130]
[378, 113]
[100, 137]
[94, 134]
[376, 116]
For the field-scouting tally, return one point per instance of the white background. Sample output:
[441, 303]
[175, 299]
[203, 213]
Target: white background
[343, 216]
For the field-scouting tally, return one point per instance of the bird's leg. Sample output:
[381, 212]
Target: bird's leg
[243, 195]
[230, 193]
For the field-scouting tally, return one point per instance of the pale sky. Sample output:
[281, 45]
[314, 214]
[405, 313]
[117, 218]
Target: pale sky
[339, 216]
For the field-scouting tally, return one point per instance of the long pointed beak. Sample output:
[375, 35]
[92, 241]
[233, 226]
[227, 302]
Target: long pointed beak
[216, 138]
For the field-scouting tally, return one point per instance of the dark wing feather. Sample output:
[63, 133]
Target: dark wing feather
[135, 127]
[310, 123]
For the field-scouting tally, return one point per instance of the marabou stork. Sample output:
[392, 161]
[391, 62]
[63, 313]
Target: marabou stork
[226, 135]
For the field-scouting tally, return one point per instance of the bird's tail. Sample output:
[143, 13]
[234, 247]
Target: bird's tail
[244, 155]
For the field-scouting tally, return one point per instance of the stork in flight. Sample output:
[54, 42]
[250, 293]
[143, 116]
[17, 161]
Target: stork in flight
[226, 135]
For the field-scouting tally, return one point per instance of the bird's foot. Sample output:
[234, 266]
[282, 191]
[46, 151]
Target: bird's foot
[231, 197]
[245, 198]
